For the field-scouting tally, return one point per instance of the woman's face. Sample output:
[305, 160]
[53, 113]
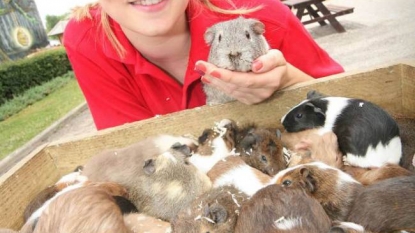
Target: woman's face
[146, 17]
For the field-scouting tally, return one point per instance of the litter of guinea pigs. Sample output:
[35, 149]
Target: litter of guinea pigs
[348, 166]
[231, 179]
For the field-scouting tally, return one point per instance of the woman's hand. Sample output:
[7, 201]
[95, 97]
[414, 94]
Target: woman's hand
[270, 72]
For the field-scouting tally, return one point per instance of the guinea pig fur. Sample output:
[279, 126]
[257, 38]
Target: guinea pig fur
[310, 146]
[49, 192]
[332, 188]
[261, 148]
[234, 171]
[368, 176]
[216, 211]
[407, 133]
[386, 206]
[234, 45]
[276, 209]
[7, 231]
[139, 222]
[347, 227]
[86, 209]
[214, 144]
[162, 185]
[367, 135]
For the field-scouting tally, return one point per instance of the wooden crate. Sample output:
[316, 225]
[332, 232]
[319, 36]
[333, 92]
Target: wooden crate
[390, 86]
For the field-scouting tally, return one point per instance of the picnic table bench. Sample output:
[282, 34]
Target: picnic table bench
[318, 12]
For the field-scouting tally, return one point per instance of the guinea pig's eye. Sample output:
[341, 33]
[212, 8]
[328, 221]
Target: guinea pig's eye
[219, 37]
[264, 158]
[299, 115]
[286, 183]
[248, 36]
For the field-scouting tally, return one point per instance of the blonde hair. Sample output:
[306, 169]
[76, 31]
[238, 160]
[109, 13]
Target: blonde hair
[80, 13]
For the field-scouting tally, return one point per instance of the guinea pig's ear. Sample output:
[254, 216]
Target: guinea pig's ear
[316, 110]
[149, 167]
[209, 35]
[215, 212]
[184, 149]
[248, 141]
[314, 94]
[307, 180]
[257, 26]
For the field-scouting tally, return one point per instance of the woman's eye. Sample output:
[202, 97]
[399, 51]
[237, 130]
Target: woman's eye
[299, 115]
[264, 159]
[286, 183]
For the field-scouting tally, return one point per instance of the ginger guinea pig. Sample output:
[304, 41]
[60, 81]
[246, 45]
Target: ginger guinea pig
[234, 45]
[367, 135]
[332, 188]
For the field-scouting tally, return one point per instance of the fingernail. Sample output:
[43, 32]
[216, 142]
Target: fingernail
[257, 65]
[199, 72]
[204, 80]
[215, 74]
[200, 67]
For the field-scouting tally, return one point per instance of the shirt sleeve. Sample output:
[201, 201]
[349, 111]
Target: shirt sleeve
[109, 91]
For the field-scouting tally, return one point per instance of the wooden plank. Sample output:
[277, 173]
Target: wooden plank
[69, 154]
[20, 184]
[408, 88]
[337, 9]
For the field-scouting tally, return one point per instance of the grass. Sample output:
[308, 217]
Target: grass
[32, 120]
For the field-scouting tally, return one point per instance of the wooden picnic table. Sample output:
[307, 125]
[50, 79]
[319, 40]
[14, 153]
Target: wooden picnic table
[318, 12]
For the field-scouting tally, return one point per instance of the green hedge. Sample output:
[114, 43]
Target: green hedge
[18, 76]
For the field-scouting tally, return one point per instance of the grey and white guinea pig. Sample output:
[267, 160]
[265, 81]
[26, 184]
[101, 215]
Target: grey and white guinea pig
[367, 134]
[236, 43]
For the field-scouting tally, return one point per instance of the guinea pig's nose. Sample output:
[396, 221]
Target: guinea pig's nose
[234, 54]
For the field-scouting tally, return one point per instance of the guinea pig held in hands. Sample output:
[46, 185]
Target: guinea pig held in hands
[367, 135]
[234, 45]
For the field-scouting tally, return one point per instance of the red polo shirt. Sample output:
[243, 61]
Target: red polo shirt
[121, 90]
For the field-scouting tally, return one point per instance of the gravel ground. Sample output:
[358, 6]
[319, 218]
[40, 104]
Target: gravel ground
[378, 32]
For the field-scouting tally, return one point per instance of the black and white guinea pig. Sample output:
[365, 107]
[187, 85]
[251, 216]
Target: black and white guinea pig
[367, 135]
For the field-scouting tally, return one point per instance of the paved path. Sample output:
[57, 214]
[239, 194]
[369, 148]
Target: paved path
[378, 32]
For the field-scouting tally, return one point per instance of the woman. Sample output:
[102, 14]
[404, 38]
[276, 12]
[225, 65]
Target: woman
[135, 59]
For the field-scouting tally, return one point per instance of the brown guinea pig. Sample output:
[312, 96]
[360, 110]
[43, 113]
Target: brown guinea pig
[214, 145]
[347, 227]
[50, 191]
[215, 211]
[333, 188]
[368, 176]
[275, 209]
[386, 206]
[406, 126]
[90, 208]
[261, 148]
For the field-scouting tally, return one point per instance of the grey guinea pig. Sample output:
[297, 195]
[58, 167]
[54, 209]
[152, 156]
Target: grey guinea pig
[367, 135]
[234, 45]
